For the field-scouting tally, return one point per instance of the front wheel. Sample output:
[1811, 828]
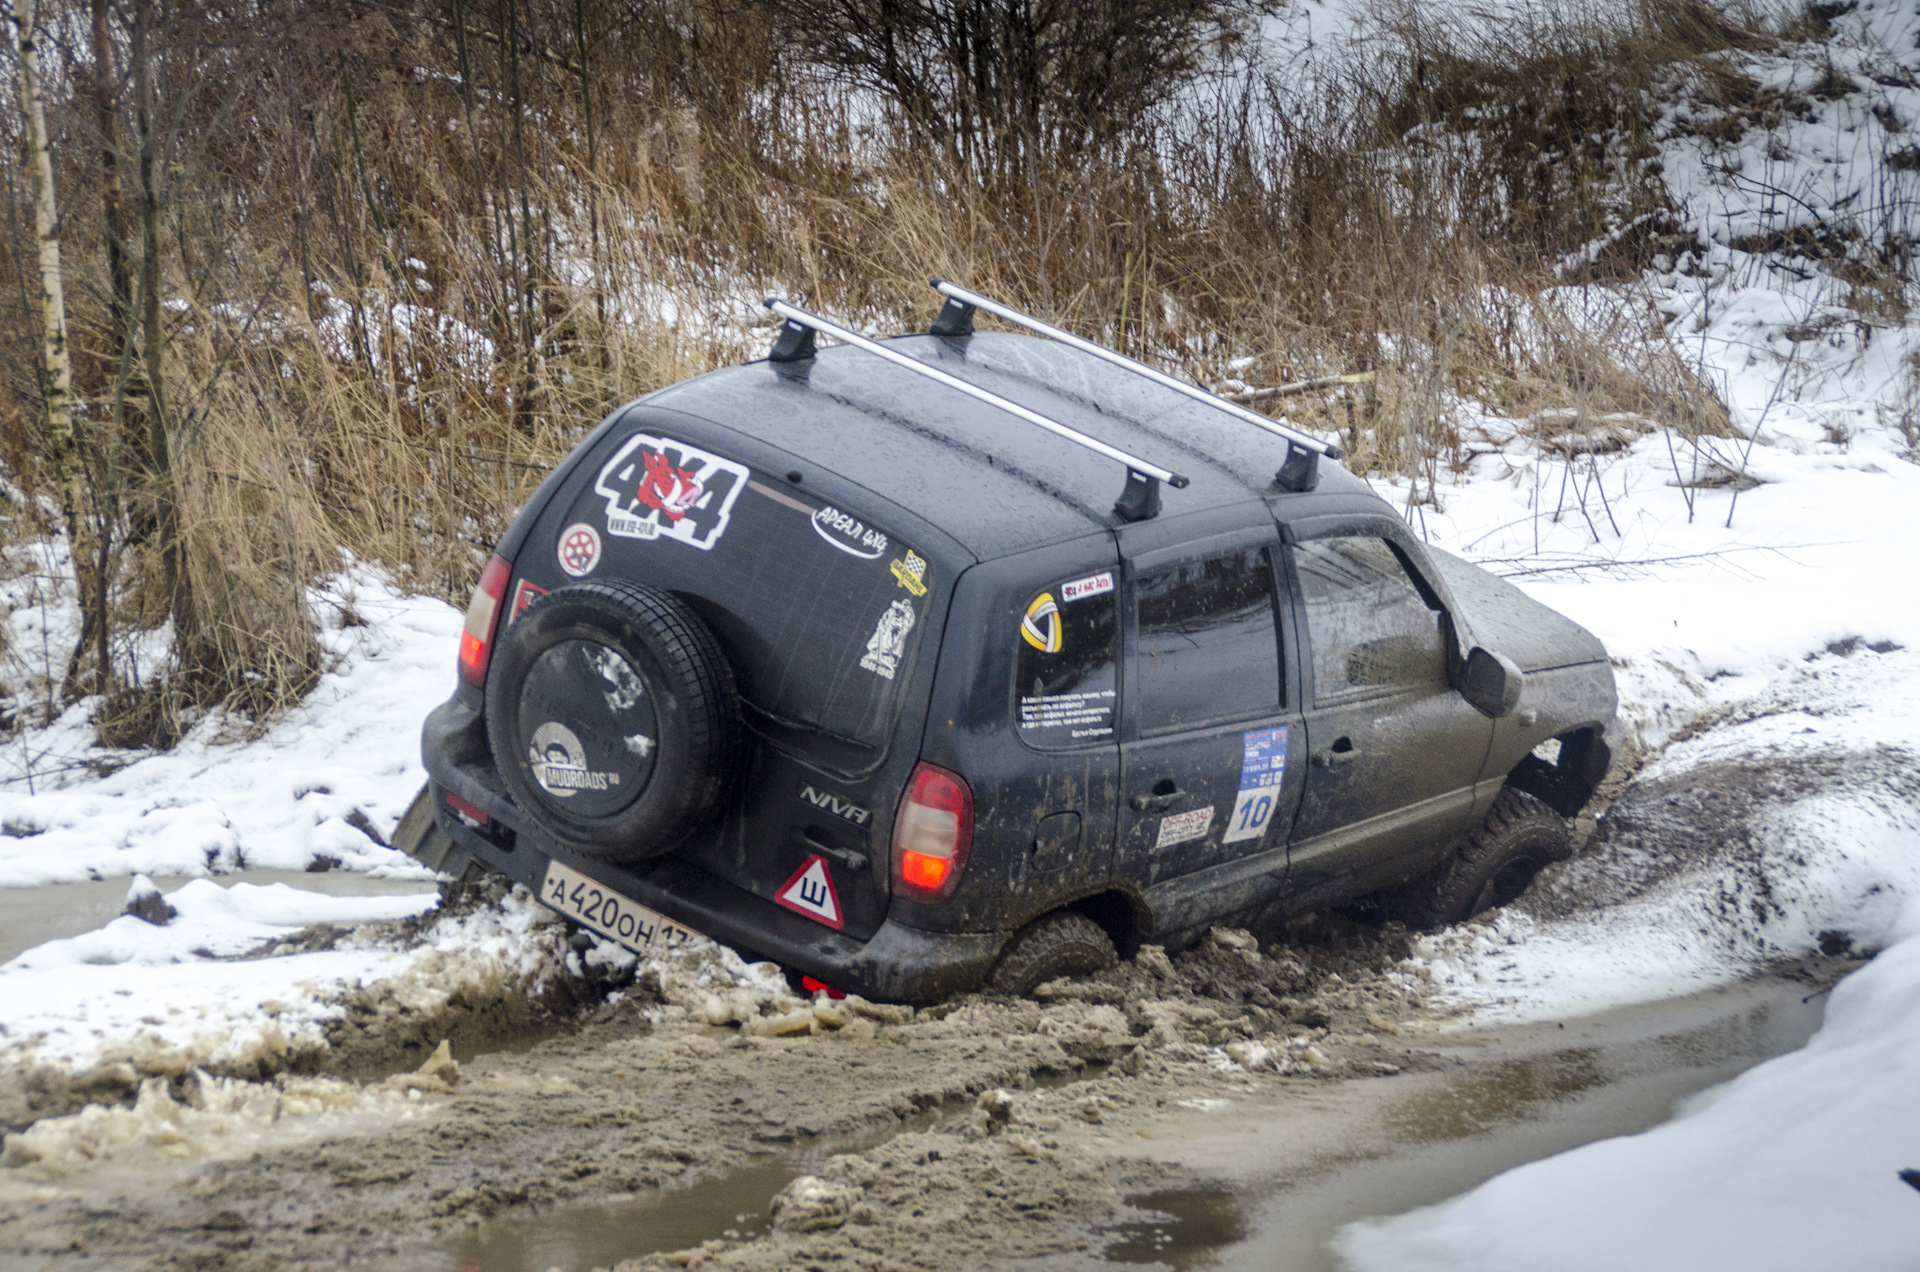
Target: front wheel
[1493, 865]
[1064, 943]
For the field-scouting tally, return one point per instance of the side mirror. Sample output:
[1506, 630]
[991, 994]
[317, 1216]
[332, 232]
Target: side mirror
[1492, 683]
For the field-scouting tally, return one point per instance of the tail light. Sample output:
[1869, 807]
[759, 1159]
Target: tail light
[932, 834]
[483, 615]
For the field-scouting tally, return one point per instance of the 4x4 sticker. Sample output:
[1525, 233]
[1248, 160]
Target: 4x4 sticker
[1040, 626]
[849, 534]
[834, 804]
[657, 488]
[1263, 769]
[1181, 827]
[809, 891]
[911, 573]
[1092, 585]
[579, 549]
[889, 640]
[524, 594]
[559, 762]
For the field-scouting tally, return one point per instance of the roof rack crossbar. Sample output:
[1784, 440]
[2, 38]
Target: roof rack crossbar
[1140, 498]
[955, 292]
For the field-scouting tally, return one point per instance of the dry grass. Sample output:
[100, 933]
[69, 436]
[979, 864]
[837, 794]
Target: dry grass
[404, 307]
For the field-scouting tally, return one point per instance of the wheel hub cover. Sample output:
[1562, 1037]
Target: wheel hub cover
[589, 734]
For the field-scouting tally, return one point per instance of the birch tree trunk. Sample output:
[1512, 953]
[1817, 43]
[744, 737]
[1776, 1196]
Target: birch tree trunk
[61, 450]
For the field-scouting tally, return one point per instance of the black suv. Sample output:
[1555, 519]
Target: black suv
[849, 658]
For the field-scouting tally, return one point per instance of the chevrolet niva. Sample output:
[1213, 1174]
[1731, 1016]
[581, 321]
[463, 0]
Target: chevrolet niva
[849, 658]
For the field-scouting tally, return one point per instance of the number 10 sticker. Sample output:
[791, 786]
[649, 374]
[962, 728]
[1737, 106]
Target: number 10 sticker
[1263, 771]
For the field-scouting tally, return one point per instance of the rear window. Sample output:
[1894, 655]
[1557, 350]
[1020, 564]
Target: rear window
[1065, 664]
[821, 610]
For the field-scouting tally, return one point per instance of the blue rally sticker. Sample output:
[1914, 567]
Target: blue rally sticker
[1263, 769]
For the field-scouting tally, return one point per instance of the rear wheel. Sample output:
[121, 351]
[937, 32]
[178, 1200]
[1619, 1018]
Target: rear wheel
[1493, 865]
[613, 719]
[1063, 943]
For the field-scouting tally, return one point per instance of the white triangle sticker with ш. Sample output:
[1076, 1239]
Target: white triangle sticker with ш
[810, 892]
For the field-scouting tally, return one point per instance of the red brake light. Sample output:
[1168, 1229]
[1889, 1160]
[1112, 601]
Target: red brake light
[483, 614]
[932, 834]
[466, 812]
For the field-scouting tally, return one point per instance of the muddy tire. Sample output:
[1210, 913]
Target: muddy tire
[1063, 943]
[1493, 865]
[420, 837]
[613, 719]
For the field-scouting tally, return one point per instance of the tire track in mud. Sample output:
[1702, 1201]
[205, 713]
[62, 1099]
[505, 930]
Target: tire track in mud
[644, 1095]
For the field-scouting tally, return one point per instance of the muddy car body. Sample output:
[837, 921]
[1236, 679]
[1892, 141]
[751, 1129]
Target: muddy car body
[1248, 700]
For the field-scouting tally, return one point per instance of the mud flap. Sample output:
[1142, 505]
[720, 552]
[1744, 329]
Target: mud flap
[421, 838]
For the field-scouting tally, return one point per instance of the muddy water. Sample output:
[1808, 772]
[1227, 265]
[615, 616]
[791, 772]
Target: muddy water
[733, 1205]
[33, 916]
[1529, 1092]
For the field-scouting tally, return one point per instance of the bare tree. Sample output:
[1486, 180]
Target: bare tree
[57, 381]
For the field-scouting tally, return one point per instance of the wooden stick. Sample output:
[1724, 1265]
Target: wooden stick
[1303, 386]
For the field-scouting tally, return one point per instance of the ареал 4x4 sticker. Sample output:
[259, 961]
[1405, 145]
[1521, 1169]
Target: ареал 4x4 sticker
[658, 488]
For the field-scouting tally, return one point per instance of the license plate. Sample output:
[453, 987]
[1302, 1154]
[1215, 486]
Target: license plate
[594, 905]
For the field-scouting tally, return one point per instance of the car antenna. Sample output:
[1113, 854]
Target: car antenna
[1139, 499]
[1299, 472]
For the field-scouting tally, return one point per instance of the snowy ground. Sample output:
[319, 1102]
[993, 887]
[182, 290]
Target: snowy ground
[1793, 619]
[350, 754]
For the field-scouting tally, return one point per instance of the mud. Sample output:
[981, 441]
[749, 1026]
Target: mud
[1718, 817]
[642, 1093]
[642, 1102]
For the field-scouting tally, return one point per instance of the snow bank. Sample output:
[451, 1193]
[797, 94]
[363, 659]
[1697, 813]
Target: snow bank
[165, 999]
[1801, 826]
[1792, 1165]
[350, 753]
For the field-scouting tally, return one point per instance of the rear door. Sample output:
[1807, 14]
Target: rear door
[1394, 750]
[1211, 749]
[826, 613]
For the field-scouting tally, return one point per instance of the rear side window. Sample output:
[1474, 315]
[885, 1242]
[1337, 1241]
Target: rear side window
[1208, 646]
[1372, 633]
[1065, 667]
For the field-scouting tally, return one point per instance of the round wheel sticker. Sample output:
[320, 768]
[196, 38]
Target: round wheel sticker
[579, 549]
[559, 762]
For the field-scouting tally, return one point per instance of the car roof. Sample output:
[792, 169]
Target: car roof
[996, 483]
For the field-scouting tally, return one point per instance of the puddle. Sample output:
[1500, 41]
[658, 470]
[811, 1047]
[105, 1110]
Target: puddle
[573, 1238]
[1181, 1230]
[736, 1204]
[1632, 1067]
[34, 916]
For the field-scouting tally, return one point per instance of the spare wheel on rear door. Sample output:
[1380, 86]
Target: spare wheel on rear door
[613, 718]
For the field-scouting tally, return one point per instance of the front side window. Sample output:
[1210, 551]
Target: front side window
[1064, 670]
[1372, 632]
[1208, 646]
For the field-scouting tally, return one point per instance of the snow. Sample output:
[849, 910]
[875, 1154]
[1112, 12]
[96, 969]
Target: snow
[217, 803]
[188, 993]
[1790, 621]
[1792, 1165]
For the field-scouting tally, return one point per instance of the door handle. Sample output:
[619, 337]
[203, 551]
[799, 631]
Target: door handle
[845, 856]
[1334, 757]
[1159, 802]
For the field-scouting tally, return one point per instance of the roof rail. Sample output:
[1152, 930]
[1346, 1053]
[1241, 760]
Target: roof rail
[1139, 499]
[1299, 472]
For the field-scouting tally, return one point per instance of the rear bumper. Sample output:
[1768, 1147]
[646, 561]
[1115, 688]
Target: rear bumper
[897, 963]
